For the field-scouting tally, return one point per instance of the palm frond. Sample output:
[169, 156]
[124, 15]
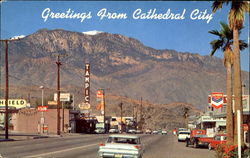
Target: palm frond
[215, 32]
[217, 4]
[242, 44]
[215, 44]
[226, 32]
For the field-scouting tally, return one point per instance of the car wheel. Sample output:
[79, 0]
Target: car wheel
[209, 146]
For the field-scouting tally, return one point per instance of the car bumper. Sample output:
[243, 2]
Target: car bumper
[117, 155]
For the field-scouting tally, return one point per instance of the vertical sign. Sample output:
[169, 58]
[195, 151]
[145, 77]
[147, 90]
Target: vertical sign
[87, 84]
[100, 100]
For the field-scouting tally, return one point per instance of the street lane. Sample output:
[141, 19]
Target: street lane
[86, 146]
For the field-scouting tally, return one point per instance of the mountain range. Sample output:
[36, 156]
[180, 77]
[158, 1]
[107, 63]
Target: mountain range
[121, 65]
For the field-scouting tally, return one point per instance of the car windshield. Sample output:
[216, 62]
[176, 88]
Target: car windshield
[123, 140]
[184, 133]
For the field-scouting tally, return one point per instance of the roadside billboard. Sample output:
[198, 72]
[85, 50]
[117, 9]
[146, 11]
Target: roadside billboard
[63, 96]
[14, 103]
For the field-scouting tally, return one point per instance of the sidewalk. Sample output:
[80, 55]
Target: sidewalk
[18, 136]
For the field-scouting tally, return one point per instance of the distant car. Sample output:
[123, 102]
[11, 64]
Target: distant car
[182, 129]
[120, 145]
[155, 132]
[132, 131]
[100, 131]
[148, 131]
[2, 127]
[113, 130]
[183, 135]
[163, 132]
[138, 131]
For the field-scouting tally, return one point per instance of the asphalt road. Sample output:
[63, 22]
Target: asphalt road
[86, 146]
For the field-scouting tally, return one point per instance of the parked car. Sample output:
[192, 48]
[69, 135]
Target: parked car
[148, 131]
[2, 127]
[100, 131]
[119, 146]
[198, 138]
[155, 132]
[164, 132]
[183, 135]
[113, 130]
[182, 129]
[138, 131]
[132, 131]
[217, 140]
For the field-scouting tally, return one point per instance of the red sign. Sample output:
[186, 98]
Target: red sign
[217, 100]
[245, 127]
[99, 94]
[42, 108]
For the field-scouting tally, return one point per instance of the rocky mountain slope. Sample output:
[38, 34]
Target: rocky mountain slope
[121, 65]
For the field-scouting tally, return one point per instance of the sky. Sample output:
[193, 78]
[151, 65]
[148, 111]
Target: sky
[186, 32]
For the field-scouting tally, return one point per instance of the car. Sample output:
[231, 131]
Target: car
[164, 132]
[183, 135]
[113, 130]
[120, 145]
[217, 140]
[100, 131]
[155, 132]
[198, 138]
[2, 127]
[132, 131]
[182, 129]
[148, 131]
[138, 131]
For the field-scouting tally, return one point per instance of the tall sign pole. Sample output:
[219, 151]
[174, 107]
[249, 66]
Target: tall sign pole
[87, 87]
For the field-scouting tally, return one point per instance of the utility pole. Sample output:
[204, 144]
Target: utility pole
[141, 115]
[136, 116]
[58, 94]
[7, 87]
[6, 91]
[62, 117]
[42, 116]
[121, 117]
[104, 110]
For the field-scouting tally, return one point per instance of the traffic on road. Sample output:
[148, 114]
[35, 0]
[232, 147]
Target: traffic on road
[101, 145]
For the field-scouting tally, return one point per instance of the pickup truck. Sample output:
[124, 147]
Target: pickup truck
[198, 138]
[120, 146]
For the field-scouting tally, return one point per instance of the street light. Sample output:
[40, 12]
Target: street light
[42, 117]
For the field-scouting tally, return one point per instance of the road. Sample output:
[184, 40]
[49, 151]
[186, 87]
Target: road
[86, 146]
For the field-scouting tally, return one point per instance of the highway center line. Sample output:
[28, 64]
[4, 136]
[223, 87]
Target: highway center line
[59, 151]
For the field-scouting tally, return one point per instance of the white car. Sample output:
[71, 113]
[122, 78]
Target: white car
[113, 130]
[183, 135]
[164, 132]
[119, 146]
[100, 131]
[132, 131]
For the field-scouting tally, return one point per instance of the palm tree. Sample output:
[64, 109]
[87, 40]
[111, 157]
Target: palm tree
[224, 43]
[235, 18]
